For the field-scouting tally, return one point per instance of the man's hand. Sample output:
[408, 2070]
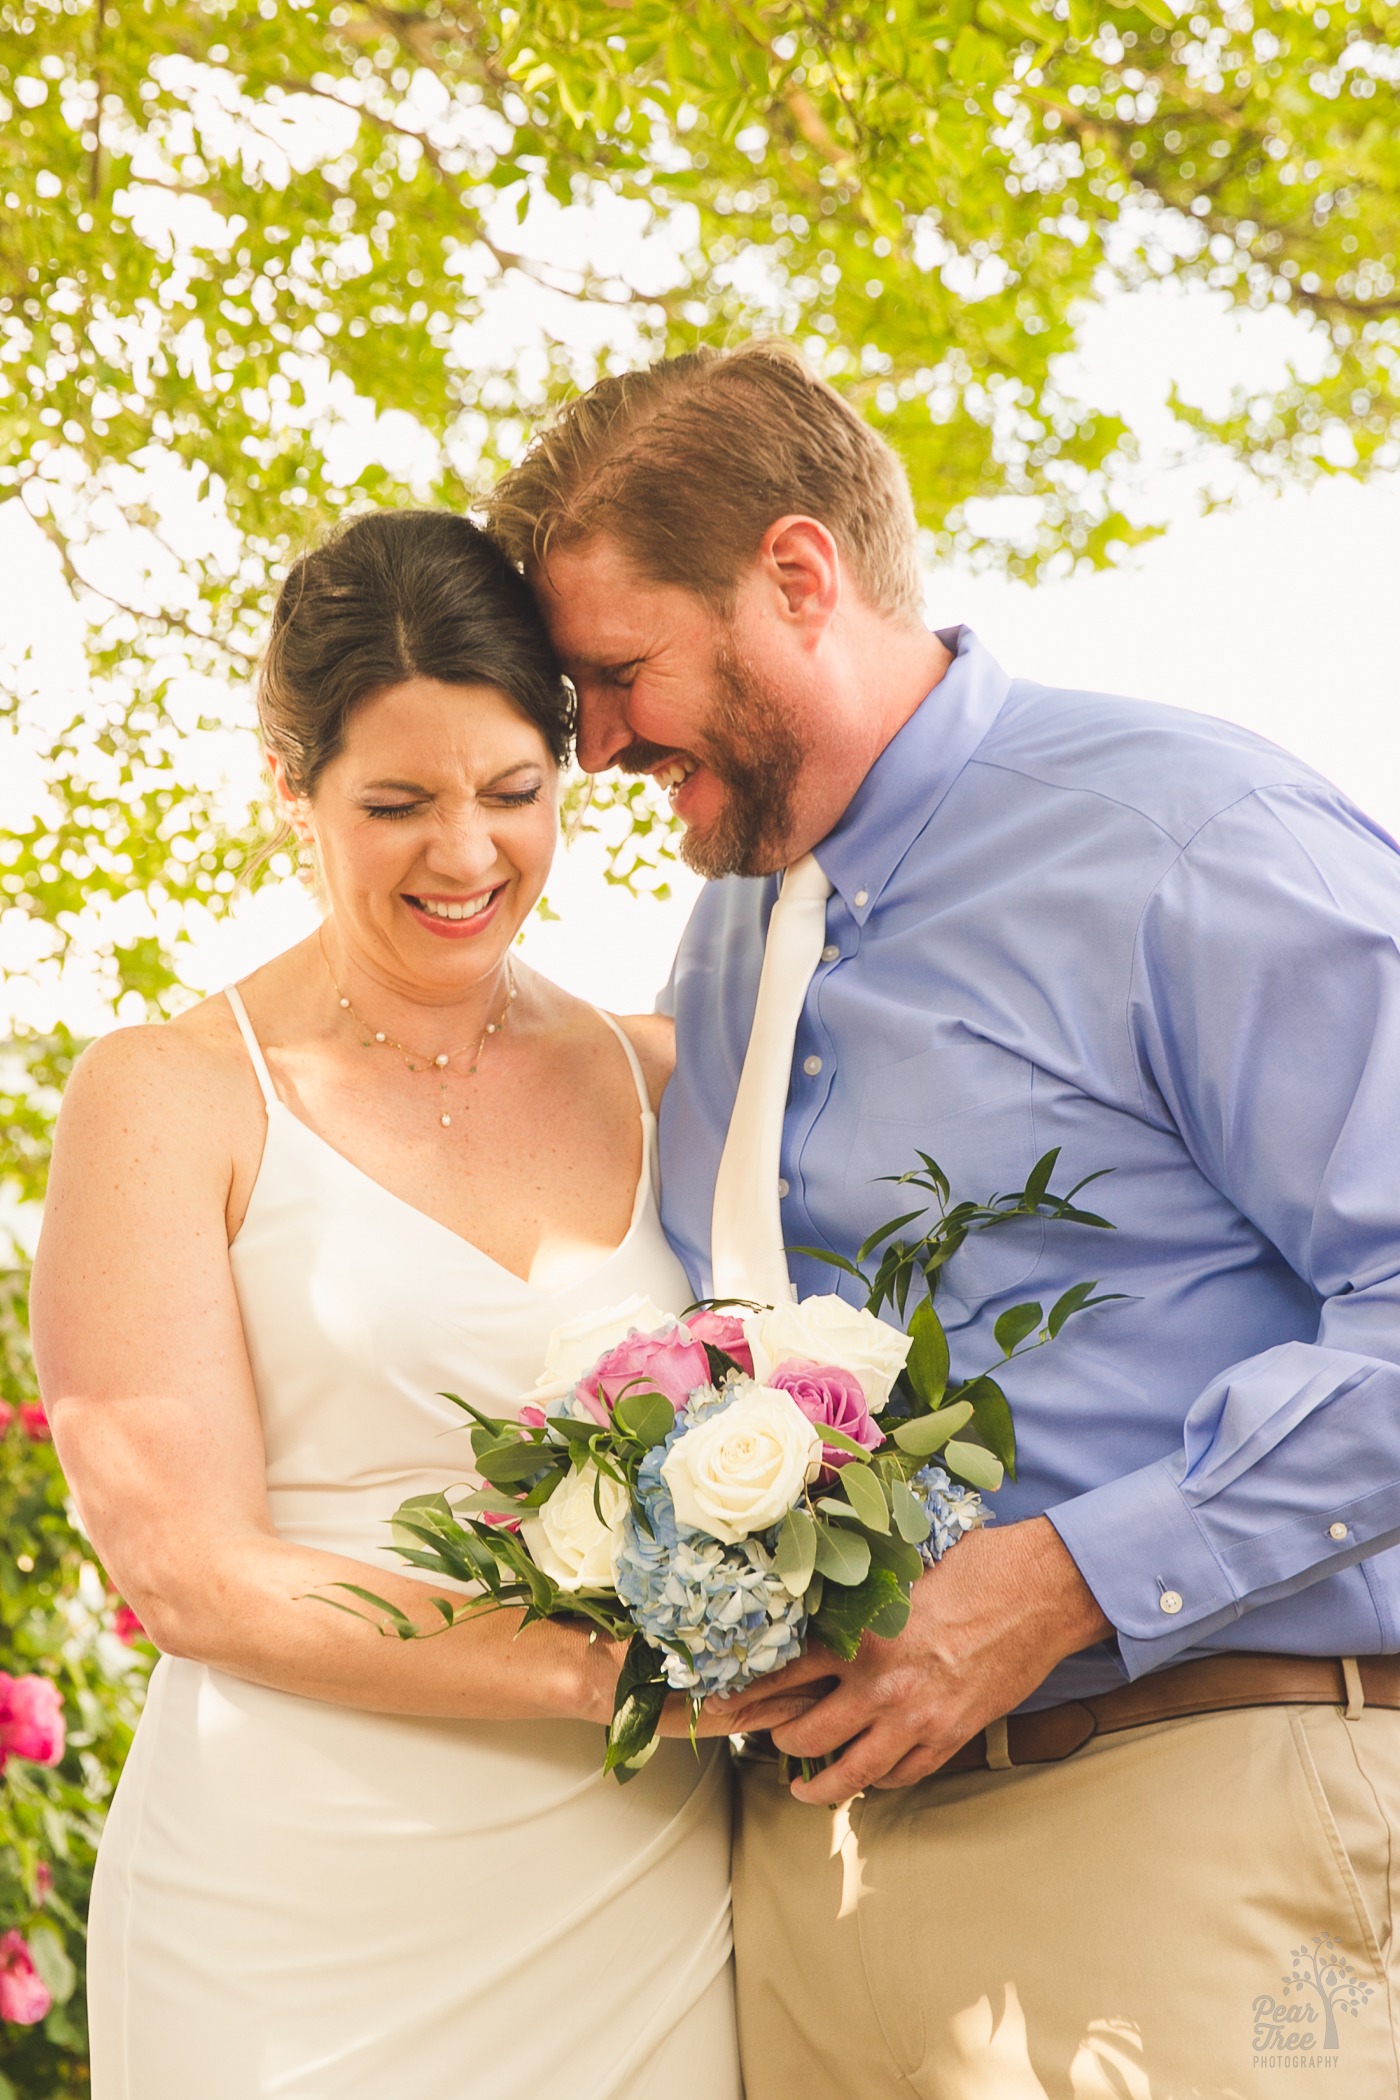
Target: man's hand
[989, 1623]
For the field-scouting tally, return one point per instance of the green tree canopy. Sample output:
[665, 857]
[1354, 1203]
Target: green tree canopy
[230, 235]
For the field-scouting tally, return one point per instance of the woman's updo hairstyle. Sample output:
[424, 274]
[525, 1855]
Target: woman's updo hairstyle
[395, 595]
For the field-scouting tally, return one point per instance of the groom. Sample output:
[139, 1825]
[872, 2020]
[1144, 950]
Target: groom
[1127, 1782]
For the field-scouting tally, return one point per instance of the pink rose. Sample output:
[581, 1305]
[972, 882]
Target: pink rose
[127, 1626]
[31, 1720]
[670, 1364]
[23, 1995]
[533, 1417]
[722, 1331]
[499, 1518]
[36, 1422]
[830, 1399]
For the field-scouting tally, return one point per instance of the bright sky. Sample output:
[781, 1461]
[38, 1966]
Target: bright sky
[1280, 614]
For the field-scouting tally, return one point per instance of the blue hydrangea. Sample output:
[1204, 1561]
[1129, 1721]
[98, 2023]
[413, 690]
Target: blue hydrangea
[952, 1510]
[724, 1606]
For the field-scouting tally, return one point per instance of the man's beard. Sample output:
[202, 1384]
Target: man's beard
[754, 752]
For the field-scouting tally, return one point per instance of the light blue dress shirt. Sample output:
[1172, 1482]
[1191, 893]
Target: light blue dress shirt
[1161, 944]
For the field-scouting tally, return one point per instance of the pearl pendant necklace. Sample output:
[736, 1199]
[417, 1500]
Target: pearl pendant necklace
[423, 1060]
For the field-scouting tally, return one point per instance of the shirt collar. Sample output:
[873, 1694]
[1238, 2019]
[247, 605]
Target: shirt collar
[913, 773]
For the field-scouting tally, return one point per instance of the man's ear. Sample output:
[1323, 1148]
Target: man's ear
[801, 559]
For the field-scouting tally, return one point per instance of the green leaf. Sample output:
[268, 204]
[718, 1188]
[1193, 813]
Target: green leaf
[991, 1418]
[511, 1462]
[910, 1516]
[1068, 1304]
[925, 1434]
[50, 1958]
[865, 1495]
[843, 1556]
[901, 1559]
[1038, 1180]
[928, 1357]
[847, 1612]
[971, 1462]
[648, 1418]
[795, 1555]
[1015, 1324]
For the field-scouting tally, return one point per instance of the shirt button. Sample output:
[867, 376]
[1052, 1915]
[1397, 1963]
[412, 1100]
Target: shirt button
[1336, 1531]
[862, 899]
[831, 954]
[811, 1065]
[783, 1187]
[1170, 1602]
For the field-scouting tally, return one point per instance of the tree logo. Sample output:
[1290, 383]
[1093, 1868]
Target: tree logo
[1300, 2026]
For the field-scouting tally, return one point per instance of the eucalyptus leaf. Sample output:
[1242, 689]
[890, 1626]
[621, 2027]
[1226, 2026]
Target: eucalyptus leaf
[795, 1555]
[866, 1496]
[648, 1418]
[975, 1464]
[842, 1556]
[925, 1434]
[910, 1517]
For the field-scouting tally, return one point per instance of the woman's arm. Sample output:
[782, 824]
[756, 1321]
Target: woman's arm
[146, 1377]
[653, 1037]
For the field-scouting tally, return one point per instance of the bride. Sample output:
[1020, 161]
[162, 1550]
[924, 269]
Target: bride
[388, 1164]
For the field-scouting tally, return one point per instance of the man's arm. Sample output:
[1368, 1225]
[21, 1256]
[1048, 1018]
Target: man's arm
[1265, 1019]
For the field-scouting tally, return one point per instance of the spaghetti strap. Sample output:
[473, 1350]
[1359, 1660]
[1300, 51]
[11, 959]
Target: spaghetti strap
[251, 1043]
[639, 1078]
[650, 1177]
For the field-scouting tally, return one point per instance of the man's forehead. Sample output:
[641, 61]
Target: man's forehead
[599, 607]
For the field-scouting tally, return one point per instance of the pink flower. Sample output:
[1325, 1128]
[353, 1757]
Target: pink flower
[127, 1626]
[722, 1331]
[36, 1422]
[499, 1518]
[670, 1364]
[533, 1417]
[830, 1399]
[43, 1881]
[31, 1720]
[23, 1995]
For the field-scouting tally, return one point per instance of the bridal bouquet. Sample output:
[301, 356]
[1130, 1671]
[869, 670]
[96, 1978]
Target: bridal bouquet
[719, 1489]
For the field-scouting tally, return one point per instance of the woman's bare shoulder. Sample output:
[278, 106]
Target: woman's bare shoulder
[188, 1071]
[653, 1037]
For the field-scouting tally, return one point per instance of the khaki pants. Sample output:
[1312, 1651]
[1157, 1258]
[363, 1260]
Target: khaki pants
[1199, 1910]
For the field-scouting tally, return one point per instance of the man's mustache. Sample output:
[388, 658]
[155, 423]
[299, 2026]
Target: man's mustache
[643, 758]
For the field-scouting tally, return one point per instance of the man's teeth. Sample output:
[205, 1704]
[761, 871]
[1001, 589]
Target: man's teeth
[454, 911]
[675, 772]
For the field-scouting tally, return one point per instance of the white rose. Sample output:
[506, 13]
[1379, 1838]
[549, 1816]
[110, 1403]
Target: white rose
[576, 1345]
[828, 1331]
[570, 1540]
[743, 1469]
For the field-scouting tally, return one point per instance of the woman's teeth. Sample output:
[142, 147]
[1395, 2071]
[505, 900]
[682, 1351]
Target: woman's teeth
[675, 773]
[471, 910]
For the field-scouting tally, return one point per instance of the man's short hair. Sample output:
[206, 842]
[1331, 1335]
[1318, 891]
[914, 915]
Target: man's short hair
[685, 464]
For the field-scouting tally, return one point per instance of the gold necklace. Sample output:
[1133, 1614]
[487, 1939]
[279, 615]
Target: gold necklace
[422, 1060]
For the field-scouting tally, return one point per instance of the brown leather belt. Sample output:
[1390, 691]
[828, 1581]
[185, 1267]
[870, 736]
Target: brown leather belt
[1213, 1684]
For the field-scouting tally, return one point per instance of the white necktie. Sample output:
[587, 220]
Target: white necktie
[746, 1229]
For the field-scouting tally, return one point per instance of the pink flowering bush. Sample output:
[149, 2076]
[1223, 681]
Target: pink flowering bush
[24, 1996]
[70, 1688]
[31, 1720]
[644, 1363]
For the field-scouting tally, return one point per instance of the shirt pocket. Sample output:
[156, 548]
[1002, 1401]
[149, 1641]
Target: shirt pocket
[969, 1105]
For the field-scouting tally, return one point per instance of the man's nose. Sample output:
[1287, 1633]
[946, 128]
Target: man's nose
[603, 729]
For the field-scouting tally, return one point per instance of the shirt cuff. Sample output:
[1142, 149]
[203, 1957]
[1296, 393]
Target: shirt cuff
[1142, 1552]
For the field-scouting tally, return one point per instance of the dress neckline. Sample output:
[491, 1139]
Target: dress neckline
[277, 1108]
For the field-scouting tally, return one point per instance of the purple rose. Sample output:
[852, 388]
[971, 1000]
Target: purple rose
[722, 1331]
[670, 1364]
[830, 1399]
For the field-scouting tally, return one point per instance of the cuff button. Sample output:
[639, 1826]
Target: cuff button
[1336, 1531]
[1170, 1602]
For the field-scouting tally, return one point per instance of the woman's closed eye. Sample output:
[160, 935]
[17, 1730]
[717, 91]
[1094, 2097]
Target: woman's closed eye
[516, 798]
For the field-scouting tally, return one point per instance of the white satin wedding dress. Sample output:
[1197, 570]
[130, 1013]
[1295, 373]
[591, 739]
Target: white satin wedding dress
[299, 1900]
